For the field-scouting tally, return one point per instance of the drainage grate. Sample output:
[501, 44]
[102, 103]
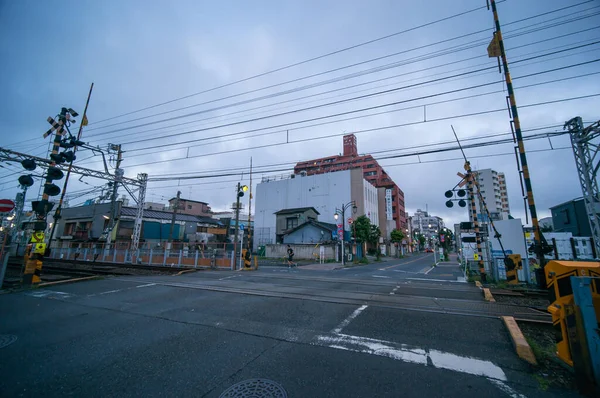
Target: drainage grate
[7, 339]
[255, 388]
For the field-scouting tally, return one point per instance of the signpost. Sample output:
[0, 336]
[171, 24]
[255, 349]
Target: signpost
[6, 205]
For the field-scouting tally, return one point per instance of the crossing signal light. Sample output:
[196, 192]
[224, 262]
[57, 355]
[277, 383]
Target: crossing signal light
[28, 164]
[55, 173]
[66, 144]
[57, 158]
[461, 193]
[449, 203]
[41, 207]
[462, 203]
[26, 180]
[449, 194]
[51, 190]
[69, 156]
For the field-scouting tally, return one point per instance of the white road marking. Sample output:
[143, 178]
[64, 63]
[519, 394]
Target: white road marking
[504, 387]
[380, 276]
[435, 280]
[110, 291]
[46, 293]
[429, 270]
[350, 318]
[417, 355]
[227, 277]
[147, 285]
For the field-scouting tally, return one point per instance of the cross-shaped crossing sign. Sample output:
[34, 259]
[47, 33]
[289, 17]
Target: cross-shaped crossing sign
[55, 126]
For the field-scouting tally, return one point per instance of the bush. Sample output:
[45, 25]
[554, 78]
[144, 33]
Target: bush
[364, 260]
[372, 252]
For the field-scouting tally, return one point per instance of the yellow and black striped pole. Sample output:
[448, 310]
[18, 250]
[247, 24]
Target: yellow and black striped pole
[33, 264]
[471, 188]
[519, 137]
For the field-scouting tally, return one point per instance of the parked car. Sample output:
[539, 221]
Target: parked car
[429, 250]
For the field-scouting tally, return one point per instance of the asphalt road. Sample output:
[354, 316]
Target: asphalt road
[354, 332]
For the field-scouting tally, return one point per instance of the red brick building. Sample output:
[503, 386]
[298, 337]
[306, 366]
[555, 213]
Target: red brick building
[372, 172]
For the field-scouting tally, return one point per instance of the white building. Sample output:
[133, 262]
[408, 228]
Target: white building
[493, 189]
[426, 224]
[325, 192]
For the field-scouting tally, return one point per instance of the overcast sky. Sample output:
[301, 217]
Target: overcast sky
[143, 53]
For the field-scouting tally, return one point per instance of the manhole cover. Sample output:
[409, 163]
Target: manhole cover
[255, 388]
[7, 339]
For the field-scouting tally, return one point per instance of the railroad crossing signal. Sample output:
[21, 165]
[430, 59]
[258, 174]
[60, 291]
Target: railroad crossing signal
[38, 237]
[6, 205]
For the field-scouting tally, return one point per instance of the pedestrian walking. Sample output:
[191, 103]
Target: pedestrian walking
[290, 253]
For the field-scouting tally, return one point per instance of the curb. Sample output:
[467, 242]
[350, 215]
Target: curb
[185, 271]
[488, 295]
[87, 278]
[521, 346]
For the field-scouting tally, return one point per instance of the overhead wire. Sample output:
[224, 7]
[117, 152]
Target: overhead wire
[465, 115]
[437, 53]
[164, 129]
[308, 60]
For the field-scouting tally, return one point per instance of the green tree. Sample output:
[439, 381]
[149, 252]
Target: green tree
[422, 240]
[397, 236]
[361, 229]
[374, 234]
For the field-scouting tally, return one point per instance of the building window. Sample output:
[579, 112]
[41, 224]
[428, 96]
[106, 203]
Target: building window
[189, 207]
[291, 222]
[370, 173]
[566, 218]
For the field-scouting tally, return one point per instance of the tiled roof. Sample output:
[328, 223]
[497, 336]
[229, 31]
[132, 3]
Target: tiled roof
[296, 210]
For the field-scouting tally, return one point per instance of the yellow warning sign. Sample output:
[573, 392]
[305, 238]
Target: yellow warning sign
[476, 256]
[493, 49]
[37, 237]
[40, 248]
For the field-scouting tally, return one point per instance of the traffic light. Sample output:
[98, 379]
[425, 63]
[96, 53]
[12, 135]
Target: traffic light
[26, 180]
[42, 207]
[51, 189]
[55, 173]
[28, 164]
[241, 190]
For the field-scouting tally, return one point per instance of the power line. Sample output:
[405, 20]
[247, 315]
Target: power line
[244, 169]
[307, 61]
[369, 130]
[395, 156]
[437, 53]
[341, 113]
[162, 129]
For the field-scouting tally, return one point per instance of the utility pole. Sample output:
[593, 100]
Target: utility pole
[64, 190]
[113, 197]
[174, 216]
[250, 208]
[237, 222]
[496, 49]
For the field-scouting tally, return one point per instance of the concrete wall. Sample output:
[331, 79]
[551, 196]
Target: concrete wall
[324, 192]
[301, 252]
[307, 234]
[94, 212]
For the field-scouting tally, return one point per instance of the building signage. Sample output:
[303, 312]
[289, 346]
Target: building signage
[388, 205]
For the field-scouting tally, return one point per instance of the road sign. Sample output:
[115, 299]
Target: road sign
[241, 227]
[475, 256]
[37, 237]
[6, 205]
[350, 220]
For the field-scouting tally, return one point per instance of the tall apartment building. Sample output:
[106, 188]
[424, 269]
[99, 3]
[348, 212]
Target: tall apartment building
[372, 172]
[426, 224]
[493, 190]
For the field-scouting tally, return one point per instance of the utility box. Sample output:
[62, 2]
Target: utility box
[558, 274]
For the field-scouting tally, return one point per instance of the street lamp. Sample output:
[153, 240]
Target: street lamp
[342, 212]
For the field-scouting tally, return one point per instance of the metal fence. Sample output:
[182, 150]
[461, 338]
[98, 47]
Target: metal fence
[219, 257]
